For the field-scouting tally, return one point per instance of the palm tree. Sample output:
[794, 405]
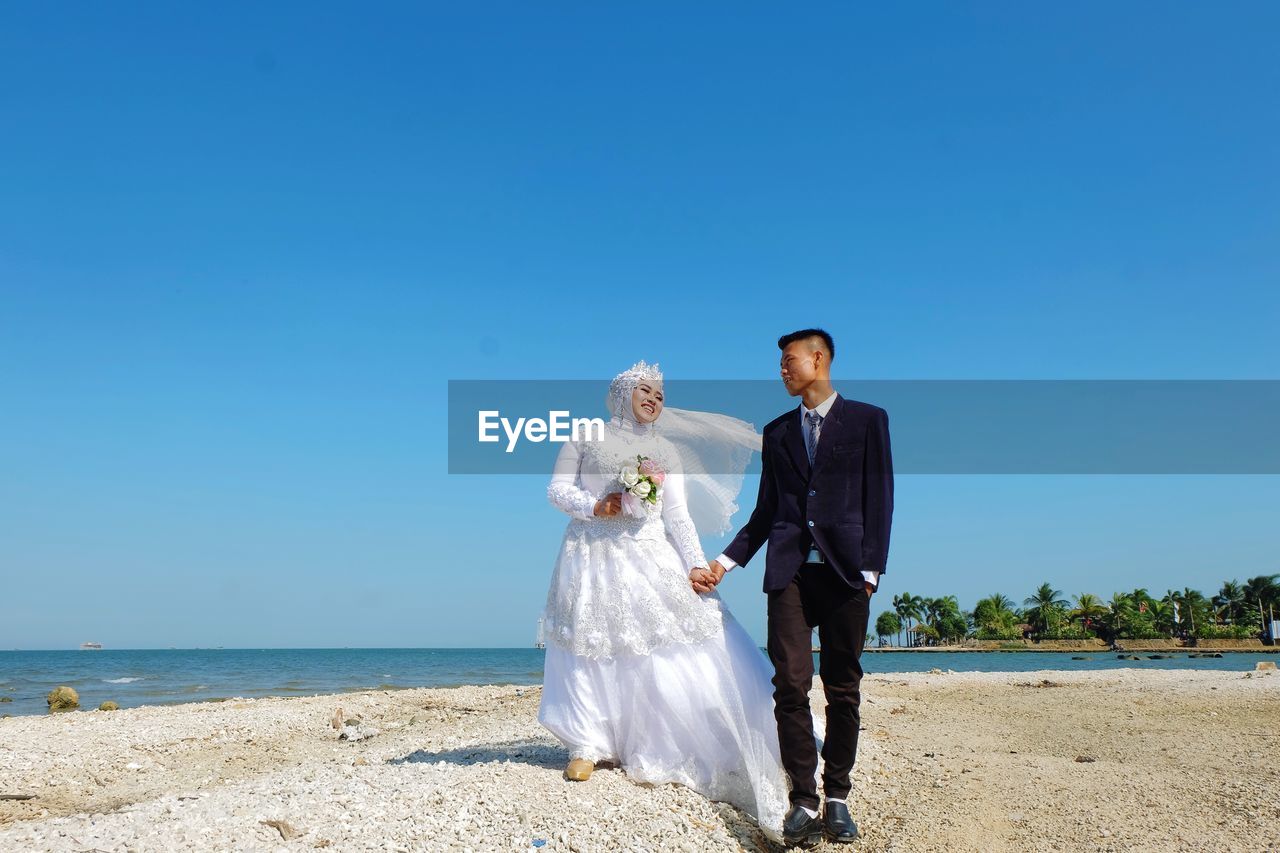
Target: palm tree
[994, 613]
[910, 609]
[1089, 610]
[1143, 617]
[1044, 607]
[934, 608]
[950, 620]
[944, 617]
[1230, 601]
[997, 603]
[1161, 613]
[1260, 592]
[1189, 607]
[1003, 602]
[1196, 609]
[900, 610]
[929, 614]
[887, 624]
[1119, 615]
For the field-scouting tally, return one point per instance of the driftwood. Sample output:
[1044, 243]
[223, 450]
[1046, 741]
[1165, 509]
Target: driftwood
[17, 796]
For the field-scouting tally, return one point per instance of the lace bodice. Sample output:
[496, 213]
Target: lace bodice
[586, 471]
[621, 584]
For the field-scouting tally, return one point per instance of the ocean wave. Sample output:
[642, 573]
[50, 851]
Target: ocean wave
[128, 679]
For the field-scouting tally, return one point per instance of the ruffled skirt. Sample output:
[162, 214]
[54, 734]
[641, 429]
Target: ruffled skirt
[699, 714]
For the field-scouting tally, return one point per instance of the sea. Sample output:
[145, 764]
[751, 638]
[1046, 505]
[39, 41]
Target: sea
[133, 677]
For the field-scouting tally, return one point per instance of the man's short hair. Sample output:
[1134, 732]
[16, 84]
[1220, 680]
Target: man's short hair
[805, 334]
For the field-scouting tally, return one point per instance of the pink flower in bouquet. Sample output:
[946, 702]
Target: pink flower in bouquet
[643, 481]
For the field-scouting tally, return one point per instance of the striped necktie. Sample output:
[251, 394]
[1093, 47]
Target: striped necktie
[814, 420]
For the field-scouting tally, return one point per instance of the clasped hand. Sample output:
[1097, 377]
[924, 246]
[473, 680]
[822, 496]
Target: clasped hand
[609, 505]
[705, 580]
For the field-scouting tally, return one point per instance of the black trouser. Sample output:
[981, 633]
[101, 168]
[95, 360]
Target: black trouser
[817, 597]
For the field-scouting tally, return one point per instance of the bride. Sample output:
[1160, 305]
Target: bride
[641, 670]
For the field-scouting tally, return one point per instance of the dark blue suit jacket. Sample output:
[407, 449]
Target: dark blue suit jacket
[844, 504]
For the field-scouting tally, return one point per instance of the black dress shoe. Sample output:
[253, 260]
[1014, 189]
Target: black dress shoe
[839, 824]
[800, 830]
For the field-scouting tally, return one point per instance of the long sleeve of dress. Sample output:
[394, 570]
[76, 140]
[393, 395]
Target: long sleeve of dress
[675, 515]
[564, 492]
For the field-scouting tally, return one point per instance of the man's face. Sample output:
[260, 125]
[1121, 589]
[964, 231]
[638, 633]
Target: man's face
[799, 366]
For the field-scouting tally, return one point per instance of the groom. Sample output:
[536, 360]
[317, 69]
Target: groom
[825, 507]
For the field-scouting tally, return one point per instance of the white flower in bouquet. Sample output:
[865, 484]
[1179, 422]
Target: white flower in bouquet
[642, 484]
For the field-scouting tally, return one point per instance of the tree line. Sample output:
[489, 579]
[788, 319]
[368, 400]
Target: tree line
[1238, 611]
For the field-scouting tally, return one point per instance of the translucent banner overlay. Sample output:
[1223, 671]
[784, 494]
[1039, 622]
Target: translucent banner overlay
[937, 426]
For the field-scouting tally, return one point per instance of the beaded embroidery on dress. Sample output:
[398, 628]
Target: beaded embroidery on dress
[621, 584]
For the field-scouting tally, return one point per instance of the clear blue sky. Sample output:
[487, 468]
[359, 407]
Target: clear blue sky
[243, 248]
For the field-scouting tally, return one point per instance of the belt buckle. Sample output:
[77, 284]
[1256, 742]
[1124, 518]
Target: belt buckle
[815, 556]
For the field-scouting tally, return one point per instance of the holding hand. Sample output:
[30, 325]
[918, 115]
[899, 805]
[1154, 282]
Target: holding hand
[705, 580]
[702, 580]
[609, 505]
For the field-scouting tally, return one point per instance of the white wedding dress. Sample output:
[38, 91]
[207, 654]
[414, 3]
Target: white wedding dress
[641, 670]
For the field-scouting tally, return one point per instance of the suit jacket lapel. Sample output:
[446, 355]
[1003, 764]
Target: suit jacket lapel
[794, 442]
[830, 433]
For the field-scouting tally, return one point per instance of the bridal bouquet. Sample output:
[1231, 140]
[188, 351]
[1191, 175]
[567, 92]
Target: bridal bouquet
[642, 484]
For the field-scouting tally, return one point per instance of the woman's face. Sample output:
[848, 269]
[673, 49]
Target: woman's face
[646, 401]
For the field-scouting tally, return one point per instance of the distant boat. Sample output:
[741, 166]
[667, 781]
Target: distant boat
[540, 639]
[91, 645]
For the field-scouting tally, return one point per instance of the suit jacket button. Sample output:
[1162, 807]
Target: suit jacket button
[812, 493]
[811, 524]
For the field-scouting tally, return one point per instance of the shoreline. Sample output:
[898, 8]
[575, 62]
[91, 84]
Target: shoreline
[1055, 759]
[137, 679]
[1266, 650]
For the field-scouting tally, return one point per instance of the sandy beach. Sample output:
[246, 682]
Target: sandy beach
[1117, 760]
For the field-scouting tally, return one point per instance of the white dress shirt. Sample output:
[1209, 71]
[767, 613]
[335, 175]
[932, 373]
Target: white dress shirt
[871, 576]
